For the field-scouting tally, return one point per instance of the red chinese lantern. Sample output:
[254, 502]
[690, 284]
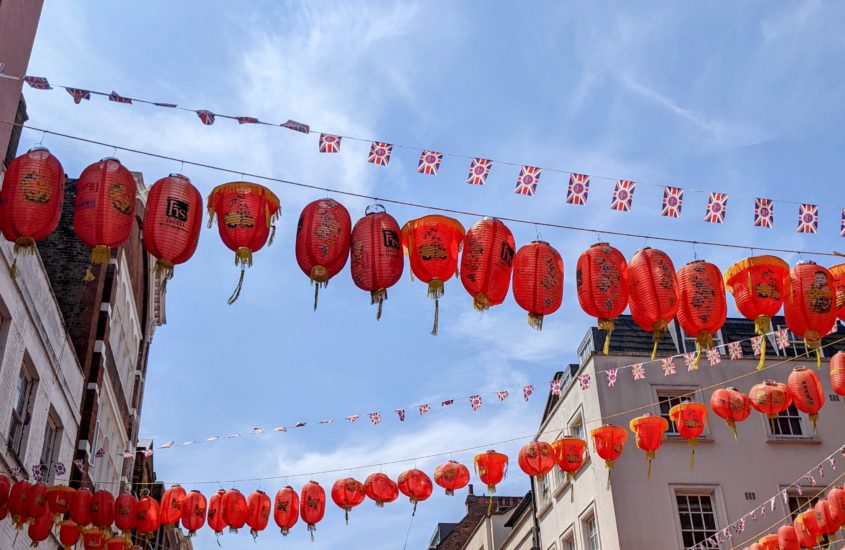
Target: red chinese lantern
[769, 542]
[376, 254]
[689, 419]
[147, 515]
[58, 499]
[380, 488]
[234, 510]
[5, 486]
[491, 468]
[536, 459]
[193, 512]
[731, 405]
[171, 506]
[569, 455]
[415, 485]
[432, 244]
[702, 306]
[348, 493]
[609, 442]
[216, 520]
[836, 504]
[826, 523]
[286, 509]
[788, 538]
[80, 506]
[649, 430]
[37, 502]
[652, 292]
[104, 210]
[172, 222]
[313, 505]
[837, 373]
[487, 262]
[838, 274]
[69, 533]
[19, 496]
[758, 287]
[807, 529]
[118, 543]
[770, 398]
[601, 278]
[807, 392]
[538, 281]
[322, 241]
[31, 199]
[258, 508]
[93, 539]
[245, 215]
[809, 308]
[452, 476]
[102, 509]
[40, 527]
[4, 511]
[125, 512]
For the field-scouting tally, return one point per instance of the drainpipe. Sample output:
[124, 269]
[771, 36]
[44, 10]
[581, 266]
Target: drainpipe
[536, 531]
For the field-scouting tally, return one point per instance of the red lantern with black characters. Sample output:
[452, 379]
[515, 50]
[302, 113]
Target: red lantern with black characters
[102, 509]
[286, 509]
[837, 373]
[788, 538]
[838, 274]
[649, 430]
[93, 539]
[147, 515]
[376, 254]
[312, 505]
[770, 398]
[80, 507]
[216, 519]
[609, 442]
[322, 241]
[702, 306]
[31, 199]
[491, 467]
[234, 510]
[5, 486]
[807, 528]
[536, 459]
[172, 222]
[826, 523]
[348, 493]
[104, 210]
[415, 485]
[452, 476]
[69, 533]
[731, 405]
[37, 503]
[538, 281]
[125, 512]
[810, 304]
[689, 419]
[569, 455]
[19, 496]
[193, 512]
[40, 527]
[601, 278]
[171, 506]
[380, 488]
[836, 504]
[258, 508]
[807, 392]
[487, 262]
[652, 292]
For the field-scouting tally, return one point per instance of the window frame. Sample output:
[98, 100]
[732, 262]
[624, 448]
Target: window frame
[795, 342]
[713, 492]
[21, 414]
[52, 445]
[587, 517]
[679, 338]
[679, 394]
[568, 538]
[794, 414]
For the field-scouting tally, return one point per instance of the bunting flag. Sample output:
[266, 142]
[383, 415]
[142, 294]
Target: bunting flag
[764, 213]
[79, 463]
[207, 117]
[554, 387]
[299, 425]
[782, 338]
[237, 436]
[673, 200]
[479, 168]
[808, 218]
[429, 163]
[623, 195]
[611, 377]
[717, 207]
[117, 98]
[148, 453]
[380, 153]
[527, 391]
[578, 190]
[126, 454]
[353, 418]
[668, 366]
[329, 143]
[584, 380]
[502, 395]
[447, 403]
[216, 437]
[739, 526]
[36, 472]
[638, 371]
[735, 351]
[16, 471]
[246, 120]
[475, 402]
[100, 453]
[327, 421]
[401, 413]
[842, 224]
[60, 468]
[424, 408]
[297, 126]
[78, 94]
[170, 105]
[714, 356]
[375, 418]
[757, 345]
[37, 82]
[257, 431]
[689, 360]
[526, 182]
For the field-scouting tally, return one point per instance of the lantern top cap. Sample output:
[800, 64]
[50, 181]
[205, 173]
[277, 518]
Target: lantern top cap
[806, 262]
[738, 269]
[38, 148]
[375, 209]
[177, 175]
[115, 159]
[432, 219]
[599, 244]
[540, 242]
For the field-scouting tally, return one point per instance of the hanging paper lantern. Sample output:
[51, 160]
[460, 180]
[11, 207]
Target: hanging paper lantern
[689, 419]
[601, 278]
[487, 262]
[380, 488]
[348, 493]
[788, 538]
[4, 511]
[216, 520]
[609, 442]
[837, 373]
[172, 222]
[826, 523]
[118, 543]
[769, 542]
[104, 210]
[234, 510]
[69, 533]
[171, 506]
[5, 486]
[93, 539]
[702, 306]
[286, 509]
[452, 476]
[652, 292]
[322, 241]
[102, 509]
[40, 527]
[19, 496]
[376, 254]
[415, 485]
[770, 398]
[432, 244]
[193, 512]
[538, 281]
[569, 454]
[37, 501]
[809, 307]
[758, 287]
[58, 499]
[147, 515]
[125, 512]
[491, 468]
[836, 504]
[536, 459]
[245, 215]
[258, 508]
[731, 405]
[31, 199]
[838, 274]
[80, 507]
[807, 529]
[807, 392]
[649, 430]
[313, 505]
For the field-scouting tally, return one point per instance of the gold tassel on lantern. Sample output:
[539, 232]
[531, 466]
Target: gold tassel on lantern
[813, 342]
[243, 258]
[378, 297]
[535, 321]
[692, 443]
[657, 331]
[650, 456]
[608, 325]
[24, 245]
[481, 302]
[100, 254]
[762, 326]
[164, 269]
[435, 292]
[319, 277]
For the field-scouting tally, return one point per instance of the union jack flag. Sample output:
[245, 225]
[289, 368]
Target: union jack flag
[375, 418]
[353, 418]
[329, 143]
[191, 442]
[169, 105]
[425, 408]
[117, 98]
[717, 206]
[689, 360]
[579, 188]
[246, 120]
[475, 402]
[16, 471]
[526, 182]
[527, 391]
[299, 424]
[808, 218]
[782, 338]
[764, 212]
[38, 82]
[212, 438]
[207, 117]
[167, 445]
[257, 431]
[78, 94]
[36, 472]
[753, 515]
[623, 195]
[584, 380]
[673, 201]
[714, 356]
[380, 153]
[739, 527]
[447, 403]
[100, 453]
[79, 463]
[502, 395]
[842, 224]
[638, 371]
[126, 454]
[555, 387]
[611, 377]
[479, 168]
[401, 413]
[60, 468]
[735, 351]
[236, 436]
[668, 366]
[429, 162]
[297, 126]
[757, 345]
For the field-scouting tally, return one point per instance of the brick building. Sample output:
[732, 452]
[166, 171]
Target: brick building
[477, 529]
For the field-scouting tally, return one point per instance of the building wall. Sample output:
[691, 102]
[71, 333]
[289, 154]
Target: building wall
[490, 532]
[520, 536]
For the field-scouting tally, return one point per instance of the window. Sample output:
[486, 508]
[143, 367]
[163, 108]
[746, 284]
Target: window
[545, 490]
[697, 517]
[21, 412]
[567, 541]
[796, 344]
[686, 343]
[591, 533]
[670, 398]
[50, 448]
[788, 424]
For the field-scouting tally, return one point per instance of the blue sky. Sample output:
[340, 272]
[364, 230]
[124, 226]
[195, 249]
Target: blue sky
[744, 99]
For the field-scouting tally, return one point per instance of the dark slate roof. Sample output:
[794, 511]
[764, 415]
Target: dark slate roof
[629, 338]
[526, 502]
